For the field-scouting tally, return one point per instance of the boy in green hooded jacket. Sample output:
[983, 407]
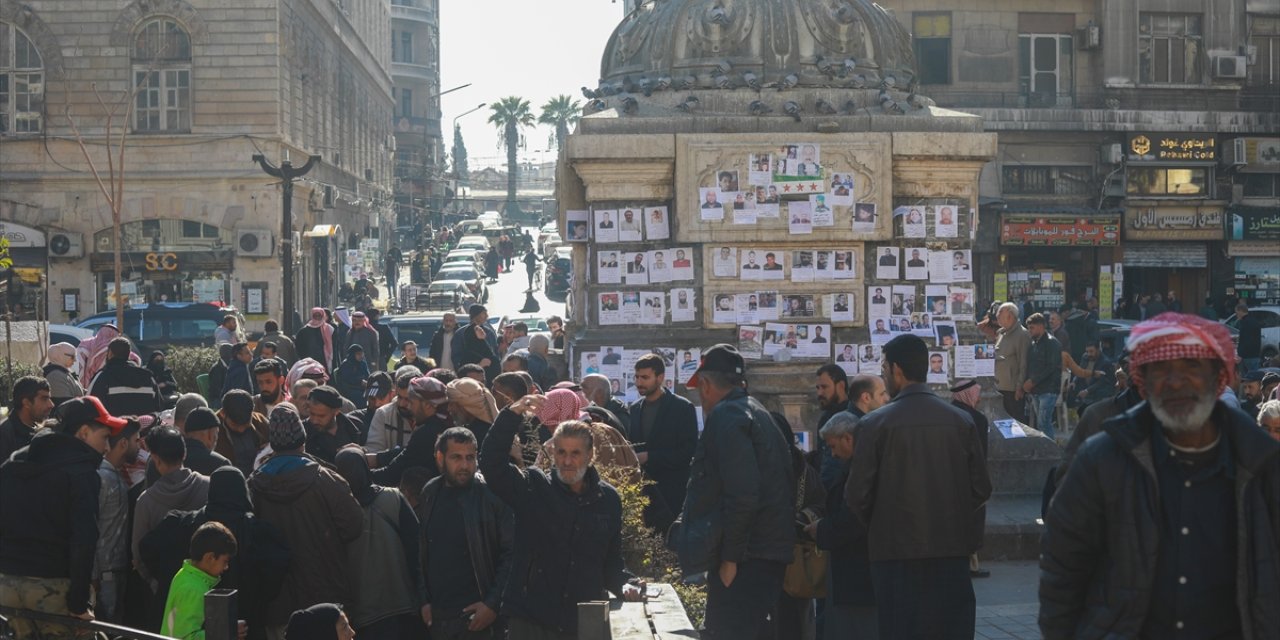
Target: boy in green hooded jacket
[212, 547]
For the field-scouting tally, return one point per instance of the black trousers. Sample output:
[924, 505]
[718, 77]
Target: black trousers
[928, 598]
[745, 609]
[1017, 409]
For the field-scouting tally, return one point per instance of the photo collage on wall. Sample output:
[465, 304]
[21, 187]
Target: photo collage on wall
[615, 262]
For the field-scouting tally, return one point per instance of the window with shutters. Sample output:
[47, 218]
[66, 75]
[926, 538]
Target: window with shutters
[21, 82]
[1170, 48]
[162, 77]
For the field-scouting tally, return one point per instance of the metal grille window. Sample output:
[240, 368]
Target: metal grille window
[21, 82]
[931, 39]
[162, 76]
[1264, 37]
[1170, 48]
[1046, 71]
[1045, 180]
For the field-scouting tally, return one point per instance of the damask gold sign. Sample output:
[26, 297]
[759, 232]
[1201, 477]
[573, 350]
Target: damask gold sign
[1172, 147]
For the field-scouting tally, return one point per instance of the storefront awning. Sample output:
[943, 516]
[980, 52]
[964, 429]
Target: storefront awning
[324, 231]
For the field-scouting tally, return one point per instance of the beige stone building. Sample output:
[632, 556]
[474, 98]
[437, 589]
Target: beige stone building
[220, 82]
[415, 76]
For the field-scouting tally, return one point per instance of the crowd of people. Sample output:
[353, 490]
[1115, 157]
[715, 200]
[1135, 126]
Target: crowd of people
[464, 491]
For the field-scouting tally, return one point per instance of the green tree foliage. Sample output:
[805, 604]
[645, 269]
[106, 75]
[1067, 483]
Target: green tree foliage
[561, 113]
[510, 116]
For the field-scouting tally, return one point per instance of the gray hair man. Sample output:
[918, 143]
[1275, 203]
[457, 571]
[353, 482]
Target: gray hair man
[1013, 344]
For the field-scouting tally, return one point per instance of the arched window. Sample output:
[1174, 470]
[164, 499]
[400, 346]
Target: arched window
[21, 82]
[162, 73]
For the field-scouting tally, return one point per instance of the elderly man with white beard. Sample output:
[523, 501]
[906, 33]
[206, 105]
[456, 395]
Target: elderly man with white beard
[1167, 523]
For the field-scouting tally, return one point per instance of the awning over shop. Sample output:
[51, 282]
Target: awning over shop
[324, 231]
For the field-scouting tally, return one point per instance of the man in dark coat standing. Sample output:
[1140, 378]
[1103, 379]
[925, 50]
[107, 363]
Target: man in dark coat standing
[125, 388]
[920, 525]
[1167, 524]
[664, 433]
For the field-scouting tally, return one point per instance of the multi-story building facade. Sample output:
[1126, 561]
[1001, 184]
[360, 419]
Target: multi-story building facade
[199, 87]
[1138, 148]
[415, 76]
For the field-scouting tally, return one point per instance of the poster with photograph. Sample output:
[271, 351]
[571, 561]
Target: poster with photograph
[917, 263]
[659, 266]
[966, 365]
[611, 356]
[823, 216]
[589, 362]
[797, 169]
[752, 266]
[900, 324]
[922, 325]
[682, 264]
[802, 266]
[846, 265]
[727, 183]
[944, 333]
[939, 371]
[887, 264]
[935, 300]
[746, 308]
[760, 169]
[940, 266]
[822, 268]
[712, 208]
[772, 268]
[800, 218]
[630, 227]
[840, 306]
[577, 225]
[984, 356]
[609, 271]
[864, 217]
[841, 193]
[751, 342]
[723, 309]
[689, 360]
[610, 308]
[653, 311]
[778, 336]
[961, 303]
[767, 202]
[631, 311]
[657, 225]
[878, 301]
[945, 221]
[816, 341]
[960, 269]
[912, 221]
[682, 305]
[847, 357]
[871, 359]
[606, 226]
[903, 302]
[637, 272]
[881, 329]
[768, 301]
[798, 306]
[724, 262]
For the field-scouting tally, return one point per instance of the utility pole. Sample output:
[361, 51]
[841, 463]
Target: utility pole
[287, 175]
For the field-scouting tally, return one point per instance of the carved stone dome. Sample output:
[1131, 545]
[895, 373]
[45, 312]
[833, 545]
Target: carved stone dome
[725, 44]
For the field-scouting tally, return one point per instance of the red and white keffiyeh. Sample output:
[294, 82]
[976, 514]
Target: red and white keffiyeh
[1177, 336]
[560, 405]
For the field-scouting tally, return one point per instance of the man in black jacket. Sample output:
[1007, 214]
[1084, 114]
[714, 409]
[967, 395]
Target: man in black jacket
[49, 516]
[124, 388]
[457, 510]
[1168, 523]
[920, 525]
[1044, 373]
[31, 405]
[426, 403]
[200, 431]
[477, 344]
[738, 519]
[328, 428]
[568, 528]
[442, 342]
[664, 433]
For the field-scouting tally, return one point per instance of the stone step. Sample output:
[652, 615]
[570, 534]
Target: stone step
[1013, 528]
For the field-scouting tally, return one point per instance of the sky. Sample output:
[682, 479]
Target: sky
[536, 50]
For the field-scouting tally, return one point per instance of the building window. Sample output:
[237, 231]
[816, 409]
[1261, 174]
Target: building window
[1260, 185]
[1047, 180]
[931, 39]
[1169, 48]
[1264, 37]
[1046, 75]
[21, 82]
[1155, 181]
[193, 229]
[406, 103]
[406, 47]
[162, 76]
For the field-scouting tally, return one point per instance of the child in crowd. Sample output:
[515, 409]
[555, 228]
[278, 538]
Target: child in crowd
[212, 547]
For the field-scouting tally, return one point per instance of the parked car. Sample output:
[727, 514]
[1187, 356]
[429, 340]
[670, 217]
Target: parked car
[547, 230]
[160, 326]
[473, 277]
[551, 243]
[469, 257]
[534, 322]
[467, 227]
[1270, 319]
[558, 273]
[68, 333]
[445, 295]
[477, 243]
[420, 327]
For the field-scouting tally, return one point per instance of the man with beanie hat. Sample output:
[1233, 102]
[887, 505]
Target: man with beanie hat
[200, 430]
[49, 516]
[328, 428]
[243, 432]
[314, 509]
[426, 403]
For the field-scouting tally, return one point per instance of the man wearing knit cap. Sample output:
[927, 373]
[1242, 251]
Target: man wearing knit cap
[200, 430]
[1167, 523]
[314, 509]
[426, 402]
[328, 428]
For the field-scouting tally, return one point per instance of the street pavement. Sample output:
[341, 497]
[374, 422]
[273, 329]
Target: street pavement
[1007, 601]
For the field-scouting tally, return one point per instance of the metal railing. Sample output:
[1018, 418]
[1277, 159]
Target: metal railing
[99, 629]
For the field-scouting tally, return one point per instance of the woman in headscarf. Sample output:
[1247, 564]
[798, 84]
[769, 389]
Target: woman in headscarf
[472, 406]
[92, 352]
[349, 376]
[63, 384]
[609, 447]
[319, 622]
[162, 374]
[315, 340]
[263, 556]
[384, 559]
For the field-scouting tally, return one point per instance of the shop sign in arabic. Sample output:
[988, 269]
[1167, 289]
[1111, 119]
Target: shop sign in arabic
[1172, 147]
[1256, 225]
[1173, 223]
[1025, 230]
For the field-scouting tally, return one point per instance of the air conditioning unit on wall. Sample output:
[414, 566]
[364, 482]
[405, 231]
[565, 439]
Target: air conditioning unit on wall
[1229, 67]
[65, 244]
[254, 243]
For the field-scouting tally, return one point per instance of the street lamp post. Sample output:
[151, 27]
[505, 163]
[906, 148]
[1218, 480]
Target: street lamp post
[287, 174]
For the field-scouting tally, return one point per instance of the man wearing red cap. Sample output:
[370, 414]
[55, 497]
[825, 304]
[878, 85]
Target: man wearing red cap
[1167, 523]
[49, 516]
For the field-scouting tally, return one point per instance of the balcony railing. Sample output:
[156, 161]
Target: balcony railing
[425, 73]
[417, 14]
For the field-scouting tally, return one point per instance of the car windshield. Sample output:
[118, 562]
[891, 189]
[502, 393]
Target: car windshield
[448, 286]
[457, 274]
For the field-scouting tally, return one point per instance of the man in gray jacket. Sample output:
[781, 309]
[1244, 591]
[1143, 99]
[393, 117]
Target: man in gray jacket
[368, 339]
[1013, 343]
[111, 562]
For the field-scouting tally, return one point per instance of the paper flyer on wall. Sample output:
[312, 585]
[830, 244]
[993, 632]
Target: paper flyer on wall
[961, 271]
[917, 264]
[912, 221]
[935, 300]
[657, 225]
[944, 333]
[870, 359]
[944, 225]
[841, 192]
[629, 358]
[938, 369]
[682, 265]
[840, 306]
[577, 225]
[922, 325]
[636, 270]
[799, 305]
[903, 301]
[961, 302]
[984, 356]
[630, 226]
[778, 336]
[606, 225]
[709, 204]
[608, 272]
[744, 216]
[723, 309]
[589, 362]
[768, 301]
[846, 265]
[772, 268]
[751, 342]
[940, 266]
[814, 341]
[864, 217]
[683, 306]
[631, 307]
[760, 169]
[802, 267]
[800, 218]
[659, 266]
[724, 262]
[966, 365]
[881, 329]
[609, 307]
[653, 311]
[887, 263]
[746, 308]
[797, 170]
[751, 265]
[878, 301]
[689, 360]
[847, 358]
[821, 212]
[822, 265]
[767, 202]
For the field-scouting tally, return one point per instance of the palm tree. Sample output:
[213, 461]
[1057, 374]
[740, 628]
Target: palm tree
[561, 112]
[510, 115]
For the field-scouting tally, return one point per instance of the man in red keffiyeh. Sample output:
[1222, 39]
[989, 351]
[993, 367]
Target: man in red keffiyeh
[1167, 524]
